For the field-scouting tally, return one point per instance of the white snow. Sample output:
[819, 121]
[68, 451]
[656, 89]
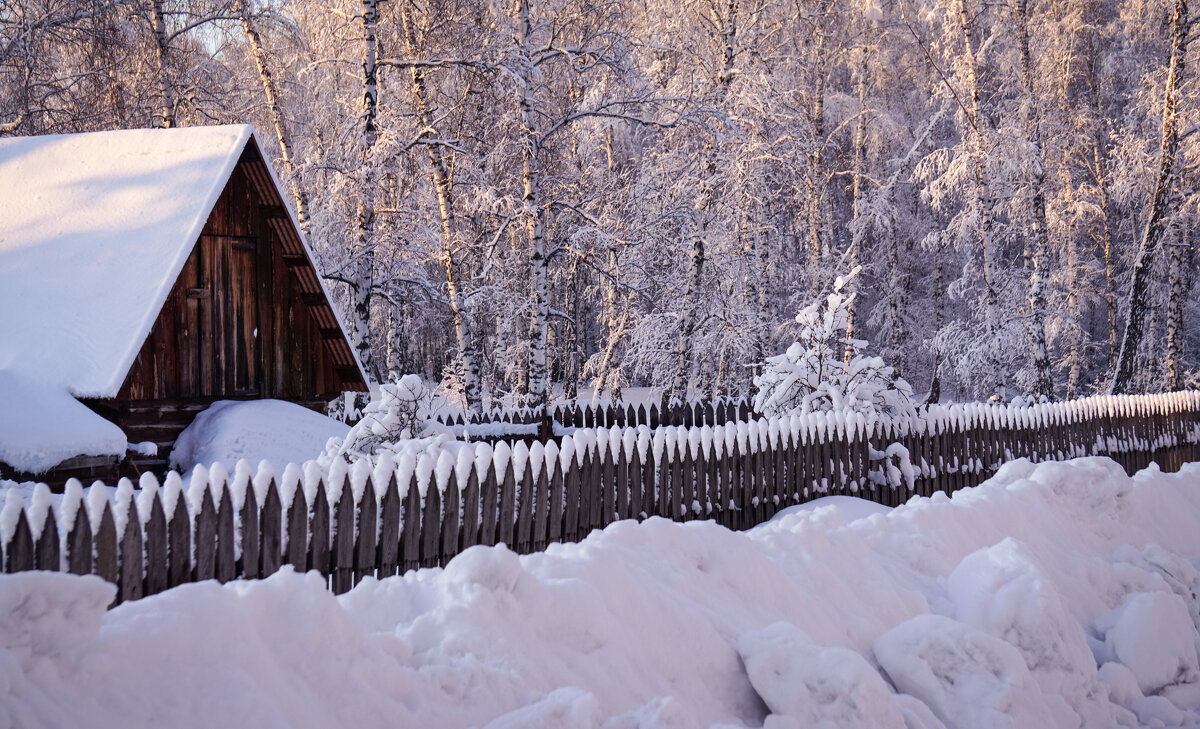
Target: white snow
[1142, 635]
[43, 426]
[274, 430]
[94, 229]
[992, 608]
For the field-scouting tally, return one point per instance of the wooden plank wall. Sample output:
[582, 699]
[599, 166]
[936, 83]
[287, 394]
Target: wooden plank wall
[739, 479]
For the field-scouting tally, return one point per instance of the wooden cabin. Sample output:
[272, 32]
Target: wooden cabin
[202, 285]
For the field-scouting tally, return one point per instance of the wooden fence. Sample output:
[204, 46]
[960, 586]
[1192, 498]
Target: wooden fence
[420, 510]
[620, 414]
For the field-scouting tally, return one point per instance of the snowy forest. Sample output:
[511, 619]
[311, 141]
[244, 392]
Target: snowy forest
[518, 199]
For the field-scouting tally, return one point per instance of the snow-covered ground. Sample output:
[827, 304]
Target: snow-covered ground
[1057, 595]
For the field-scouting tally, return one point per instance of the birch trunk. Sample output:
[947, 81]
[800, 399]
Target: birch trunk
[537, 390]
[1162, 205]
[857, 226]
[361, 288]
[1180, 266]
[166, 88]
[278, 121]
[1043, 385]
[450, 257]
[984, 203]
[725, 21]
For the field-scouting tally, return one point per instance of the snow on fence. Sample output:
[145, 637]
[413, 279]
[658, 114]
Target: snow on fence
[621, 414]
[391, 516]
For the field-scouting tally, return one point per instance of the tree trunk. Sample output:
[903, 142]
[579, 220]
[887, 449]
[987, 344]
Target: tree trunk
[1162, 205]
[362, 288]
[857, 226]
[452, 244]
[1180, 284]
[724, 21]
[537, 392]
[984, 203]
[275, 110]
[166, 87]
[1043, 385]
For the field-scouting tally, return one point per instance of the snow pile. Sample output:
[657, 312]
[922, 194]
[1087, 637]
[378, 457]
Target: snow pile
[41, 426]
[273, 430]
[1056, 596]
[813, 376]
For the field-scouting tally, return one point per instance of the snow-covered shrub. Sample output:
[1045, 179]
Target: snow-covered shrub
[812, 375]
[400, 411]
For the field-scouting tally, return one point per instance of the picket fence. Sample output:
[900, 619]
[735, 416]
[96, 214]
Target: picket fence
[621, 414]
[422, 508]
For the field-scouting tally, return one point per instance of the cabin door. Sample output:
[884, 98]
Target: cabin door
[230, 265]
[244, 296]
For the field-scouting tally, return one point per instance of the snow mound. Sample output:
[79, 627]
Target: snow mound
[980, 610]
[968, 678]
[847, 508]
[1153, 635]
[273, 430]
[822, 688]
[43, 426]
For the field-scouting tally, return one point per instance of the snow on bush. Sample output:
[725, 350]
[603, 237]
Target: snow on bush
[398, 412]
[812, 374]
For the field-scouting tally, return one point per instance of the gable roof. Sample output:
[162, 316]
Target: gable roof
[94, 230]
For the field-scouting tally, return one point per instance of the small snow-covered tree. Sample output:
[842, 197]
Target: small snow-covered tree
[813, 374]
[400, 411]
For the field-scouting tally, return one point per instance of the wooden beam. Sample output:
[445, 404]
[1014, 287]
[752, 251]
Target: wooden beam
[313, 299]
[295, 260]
[350, 377]
[274, 212]
[331, 333]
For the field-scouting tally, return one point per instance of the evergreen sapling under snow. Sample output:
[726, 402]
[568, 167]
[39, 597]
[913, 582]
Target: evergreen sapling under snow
[825, 371]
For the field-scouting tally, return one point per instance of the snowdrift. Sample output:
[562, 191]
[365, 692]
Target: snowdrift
[1059, 595]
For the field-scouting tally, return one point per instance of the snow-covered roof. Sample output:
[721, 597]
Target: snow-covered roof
[94, 230]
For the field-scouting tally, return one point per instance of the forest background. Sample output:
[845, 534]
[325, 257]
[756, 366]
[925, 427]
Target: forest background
[521, 198]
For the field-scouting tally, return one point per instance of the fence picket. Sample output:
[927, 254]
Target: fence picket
[105, 564]
[508, 495]
[389, 529]
[410, 530]
[156, 548]
[342, 533]
[297, 530]
[226, 553]
[130, 570]
[18, 553]
[204, 537]
[79, 544]
[270, 526]
[541, 509]
[491, 506]
[46, 551]
[431, 528]
[318, 531]
[469, 536]
[251, 536]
